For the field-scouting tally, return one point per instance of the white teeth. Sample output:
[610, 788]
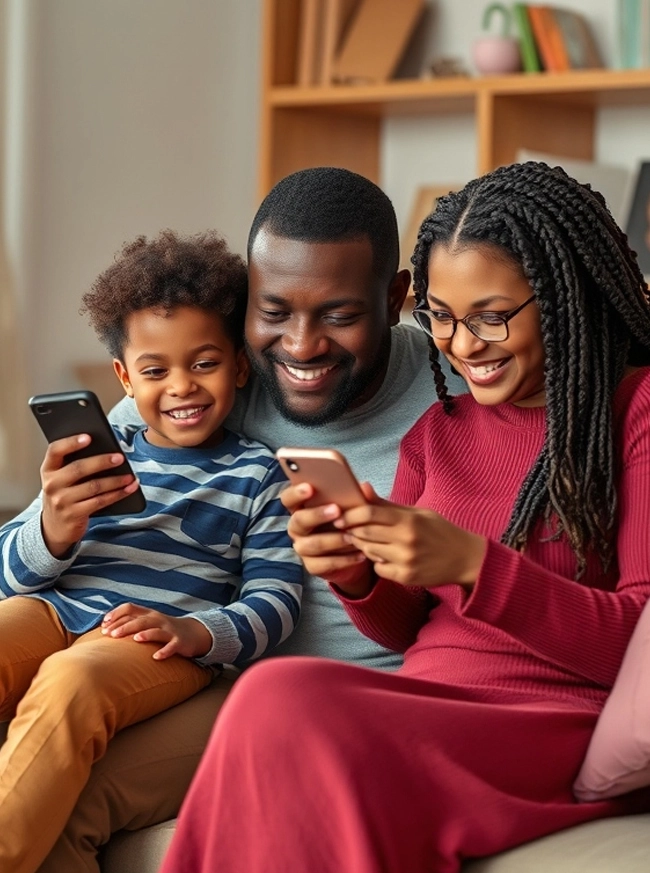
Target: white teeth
[184, 413]
[307, 375]
[484, 370]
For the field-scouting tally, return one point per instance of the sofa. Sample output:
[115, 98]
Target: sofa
[610, 846]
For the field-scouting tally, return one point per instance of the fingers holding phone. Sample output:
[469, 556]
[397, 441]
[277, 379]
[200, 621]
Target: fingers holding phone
[72, 492]
[84, 472]
[322, 488]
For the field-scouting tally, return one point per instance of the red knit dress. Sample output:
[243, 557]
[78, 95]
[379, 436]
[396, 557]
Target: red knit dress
[473, 745]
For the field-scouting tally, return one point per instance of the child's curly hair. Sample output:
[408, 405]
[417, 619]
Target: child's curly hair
[165, 273]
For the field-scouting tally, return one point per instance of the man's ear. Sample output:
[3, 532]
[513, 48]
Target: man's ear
[397, 291]
[243, 368]
[123, 376]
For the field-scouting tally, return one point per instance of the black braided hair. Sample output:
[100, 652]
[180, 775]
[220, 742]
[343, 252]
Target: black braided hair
[595, 320]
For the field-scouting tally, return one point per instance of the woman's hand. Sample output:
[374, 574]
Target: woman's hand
[412, 546]
[325, 551]
[181, 636]
[68, 501]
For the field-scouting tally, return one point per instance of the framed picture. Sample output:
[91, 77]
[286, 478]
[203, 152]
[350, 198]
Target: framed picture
[424, 202]
[638, 222]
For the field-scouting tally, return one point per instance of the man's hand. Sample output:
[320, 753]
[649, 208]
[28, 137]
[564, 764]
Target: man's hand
[326, 552]
[67, 500]
[181, 636]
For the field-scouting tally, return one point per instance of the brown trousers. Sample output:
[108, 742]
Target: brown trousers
[65, 697]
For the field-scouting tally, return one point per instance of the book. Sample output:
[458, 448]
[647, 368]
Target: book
[561, 60]
[309, 42]
[336, 18]
[540, 24]
[376, 39]
[633, 34]
[564, 39]
[579, 44]
[529, 57]
[637, 226]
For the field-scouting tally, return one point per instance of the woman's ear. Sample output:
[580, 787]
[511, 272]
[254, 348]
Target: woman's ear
[123, 376]
[243, 368]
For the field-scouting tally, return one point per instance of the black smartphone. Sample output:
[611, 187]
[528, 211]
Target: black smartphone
[72, 412]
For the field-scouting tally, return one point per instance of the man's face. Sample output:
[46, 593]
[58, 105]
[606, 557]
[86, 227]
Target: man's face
[317, 325]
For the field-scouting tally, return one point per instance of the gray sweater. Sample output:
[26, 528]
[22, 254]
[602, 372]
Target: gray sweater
[369, 437]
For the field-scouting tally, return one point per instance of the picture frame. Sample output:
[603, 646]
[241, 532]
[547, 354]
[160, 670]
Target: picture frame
[638, 222]
[424, 202]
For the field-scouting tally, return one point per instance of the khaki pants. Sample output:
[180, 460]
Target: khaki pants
[141, 781]
[66, 696]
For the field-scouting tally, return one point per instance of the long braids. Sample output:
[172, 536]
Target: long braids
[595, 319]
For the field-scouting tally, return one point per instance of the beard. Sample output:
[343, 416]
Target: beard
[351, 385]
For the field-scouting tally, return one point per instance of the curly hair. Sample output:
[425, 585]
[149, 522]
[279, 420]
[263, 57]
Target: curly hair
[164, 273]
[595, 320]
[331, 204]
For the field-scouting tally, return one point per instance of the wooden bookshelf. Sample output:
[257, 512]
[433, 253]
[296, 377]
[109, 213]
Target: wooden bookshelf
[341, 124]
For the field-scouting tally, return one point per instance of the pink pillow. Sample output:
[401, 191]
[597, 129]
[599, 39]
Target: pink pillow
[618, 757]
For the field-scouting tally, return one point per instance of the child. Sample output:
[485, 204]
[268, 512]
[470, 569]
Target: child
[109, 620]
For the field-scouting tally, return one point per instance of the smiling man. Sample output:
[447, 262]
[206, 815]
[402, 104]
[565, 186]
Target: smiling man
[332, 367]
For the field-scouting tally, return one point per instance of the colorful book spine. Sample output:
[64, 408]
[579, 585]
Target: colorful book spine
[633, 34]
[529, 56]
[561, 61]
[579, 44]
[539, 22]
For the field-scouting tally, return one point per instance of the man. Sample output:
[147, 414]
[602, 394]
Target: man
[333, 368]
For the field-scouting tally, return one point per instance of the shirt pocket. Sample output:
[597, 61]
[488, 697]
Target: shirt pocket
[212, 527]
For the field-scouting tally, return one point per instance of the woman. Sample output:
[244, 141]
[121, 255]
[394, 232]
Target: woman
[510, 567]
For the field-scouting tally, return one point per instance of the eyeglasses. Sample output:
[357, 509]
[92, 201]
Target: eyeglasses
[491, 327]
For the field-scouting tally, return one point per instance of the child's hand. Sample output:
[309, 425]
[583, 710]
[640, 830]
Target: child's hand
[68, 501]
[182, 636]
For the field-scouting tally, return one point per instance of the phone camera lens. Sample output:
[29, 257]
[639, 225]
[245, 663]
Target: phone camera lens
[83, 403]
[293, 466]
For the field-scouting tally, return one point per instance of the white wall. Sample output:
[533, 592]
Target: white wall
[129, 116]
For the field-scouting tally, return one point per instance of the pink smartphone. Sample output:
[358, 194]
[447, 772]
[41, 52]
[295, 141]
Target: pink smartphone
[327, 471]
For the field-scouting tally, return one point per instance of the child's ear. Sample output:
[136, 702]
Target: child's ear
[243, 368]
[123, 376]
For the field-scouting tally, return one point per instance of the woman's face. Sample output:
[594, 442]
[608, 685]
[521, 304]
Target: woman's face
[481, 279]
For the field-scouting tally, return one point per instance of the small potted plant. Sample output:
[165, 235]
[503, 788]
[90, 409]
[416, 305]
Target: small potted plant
[496, 54]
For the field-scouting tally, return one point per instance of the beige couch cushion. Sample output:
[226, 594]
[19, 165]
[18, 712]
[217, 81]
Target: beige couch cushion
[620, 845]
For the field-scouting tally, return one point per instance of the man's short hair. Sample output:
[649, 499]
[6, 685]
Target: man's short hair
[331, 204]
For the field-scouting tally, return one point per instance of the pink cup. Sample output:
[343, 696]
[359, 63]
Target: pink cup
[496, 54]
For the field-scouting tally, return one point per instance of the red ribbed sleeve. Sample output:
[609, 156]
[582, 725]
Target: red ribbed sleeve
[527, 623]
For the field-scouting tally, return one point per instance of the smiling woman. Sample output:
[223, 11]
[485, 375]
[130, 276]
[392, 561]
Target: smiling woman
[509, 566]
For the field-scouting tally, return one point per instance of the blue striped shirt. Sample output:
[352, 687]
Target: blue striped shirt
[211, 544]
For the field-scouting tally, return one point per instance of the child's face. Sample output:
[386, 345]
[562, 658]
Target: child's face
[182, 369]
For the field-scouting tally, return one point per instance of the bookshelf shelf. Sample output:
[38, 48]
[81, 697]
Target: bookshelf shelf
[341, 124]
